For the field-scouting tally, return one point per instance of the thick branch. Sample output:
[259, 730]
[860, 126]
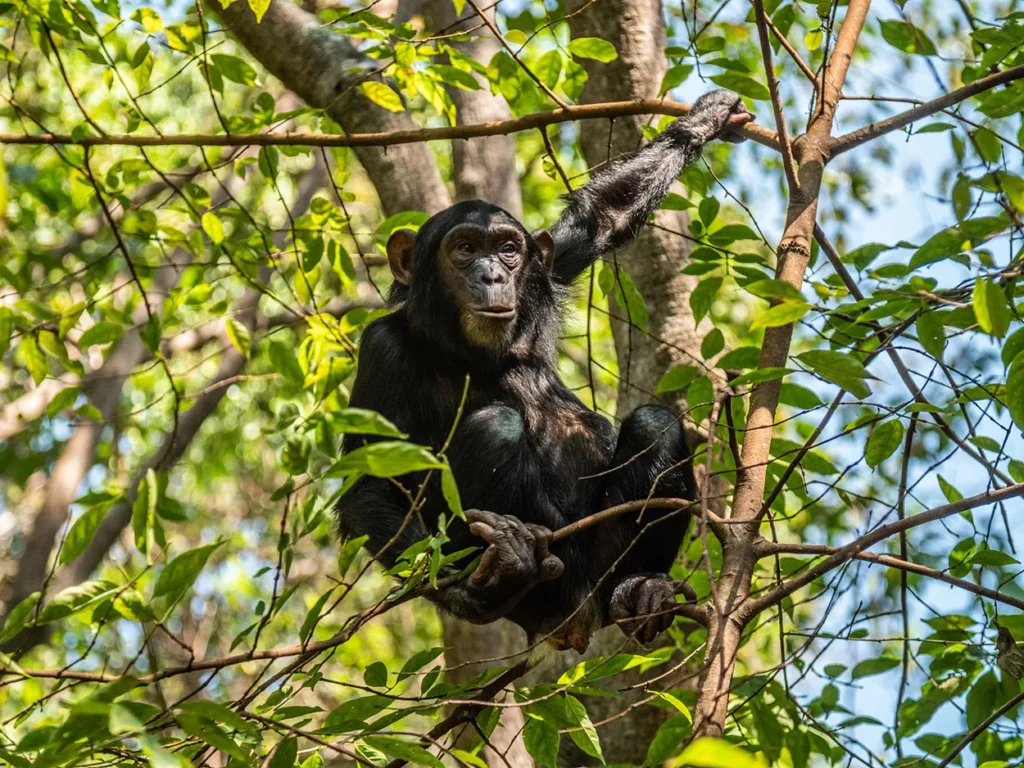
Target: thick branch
[397, 136]
[769, 548]
[874, 130]
[323, 68]
[839, 65]
[725, 627]
[881, 533]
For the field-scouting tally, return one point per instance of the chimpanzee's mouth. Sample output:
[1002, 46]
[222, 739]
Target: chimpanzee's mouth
[497, 312]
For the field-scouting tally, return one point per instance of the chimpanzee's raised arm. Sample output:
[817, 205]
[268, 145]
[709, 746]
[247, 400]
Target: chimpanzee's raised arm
[610, 209]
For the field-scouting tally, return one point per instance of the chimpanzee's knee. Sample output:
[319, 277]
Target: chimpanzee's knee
[653, 430]
[488, 438]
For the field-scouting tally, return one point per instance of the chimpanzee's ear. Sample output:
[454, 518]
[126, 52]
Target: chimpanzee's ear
[399, 249]
[546, 243]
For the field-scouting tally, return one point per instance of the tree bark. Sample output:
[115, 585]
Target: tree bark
[324, 69]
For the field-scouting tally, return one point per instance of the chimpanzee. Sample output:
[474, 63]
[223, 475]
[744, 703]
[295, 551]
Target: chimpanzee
[476, 294]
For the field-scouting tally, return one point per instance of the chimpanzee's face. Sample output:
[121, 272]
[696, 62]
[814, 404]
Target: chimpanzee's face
[478, 260]
[482, 267]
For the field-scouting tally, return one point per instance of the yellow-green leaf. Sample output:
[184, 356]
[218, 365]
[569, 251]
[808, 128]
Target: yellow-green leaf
[212, 227]
[382, 96]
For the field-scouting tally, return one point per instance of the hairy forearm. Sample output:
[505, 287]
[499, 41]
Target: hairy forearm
[609, 211]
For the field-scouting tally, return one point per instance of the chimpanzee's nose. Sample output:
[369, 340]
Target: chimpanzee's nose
[493, 275]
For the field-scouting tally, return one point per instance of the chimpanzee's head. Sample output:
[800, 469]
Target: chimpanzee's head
[474, 267]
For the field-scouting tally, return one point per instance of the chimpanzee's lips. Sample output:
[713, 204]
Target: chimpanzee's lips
[497, 311]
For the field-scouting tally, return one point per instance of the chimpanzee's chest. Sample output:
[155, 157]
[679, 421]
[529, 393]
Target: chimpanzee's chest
[568, 441]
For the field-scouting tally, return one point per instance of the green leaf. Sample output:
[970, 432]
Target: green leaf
[992, 557]
[703, 297]
[18, 617]
[907, 38]
[870, 667]
[740, 358]
[549, 68]
[450, 491]
[761, 374]
[287, 750]
[774, 289]
[593, 48]
[712, 344]
[931, 331]
[990, 307]
[884, 441]
[418, 661]
[587, 738]
[81, 533]
[677, 378]
[313, 615]
[388, 458]
[102, 332]
[952, 494]
[542, 740]
[213, 227]
[209, 732]
[75, 599]
[234, 68]
[239, 336]
[179, 574]
[669, 736]
[798, 397]
[376, 675]
[359, 421]
[743, 85]
[403, 750]
[786, 313]
[382, 96]
[1014, 393]
[715, 753]
[283, 360]
[840, 369]
[675, 702]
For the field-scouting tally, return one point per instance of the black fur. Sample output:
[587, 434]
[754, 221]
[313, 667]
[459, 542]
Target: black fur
[526, 446]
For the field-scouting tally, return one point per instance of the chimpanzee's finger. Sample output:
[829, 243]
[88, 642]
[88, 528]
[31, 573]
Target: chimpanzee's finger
[551, 567]
[484, 531]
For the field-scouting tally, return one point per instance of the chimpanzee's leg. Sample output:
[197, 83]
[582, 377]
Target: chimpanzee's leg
[652, 459]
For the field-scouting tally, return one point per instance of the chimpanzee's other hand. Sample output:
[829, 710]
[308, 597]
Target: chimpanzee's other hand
[517, 554]
[642, 604]
[717, 113]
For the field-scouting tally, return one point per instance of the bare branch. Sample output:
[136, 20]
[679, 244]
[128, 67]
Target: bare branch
[980, 728]
[391, 138]
[874, 130]
[851, 550]
[769, 548]
[773, 88]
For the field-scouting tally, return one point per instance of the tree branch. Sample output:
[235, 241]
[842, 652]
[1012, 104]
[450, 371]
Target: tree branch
[874, 130]
[324, 68]
[769, 548]
[398, 136]
[776, 98]
[980, 728]
[851, 550]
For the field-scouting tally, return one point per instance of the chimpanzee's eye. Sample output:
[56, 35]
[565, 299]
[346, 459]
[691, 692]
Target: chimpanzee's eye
[465, 247]
[509, 249]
